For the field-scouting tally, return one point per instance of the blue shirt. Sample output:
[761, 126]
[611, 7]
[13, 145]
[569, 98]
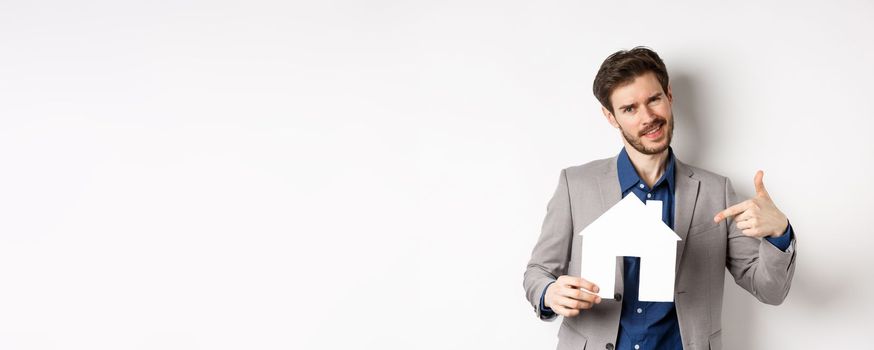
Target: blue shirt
[650, 325]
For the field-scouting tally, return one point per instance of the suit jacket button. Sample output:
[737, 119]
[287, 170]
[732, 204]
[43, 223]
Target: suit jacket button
[618, 297]
[609, 346]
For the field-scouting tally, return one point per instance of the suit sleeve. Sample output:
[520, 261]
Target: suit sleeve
[756, 265]
[550, 256]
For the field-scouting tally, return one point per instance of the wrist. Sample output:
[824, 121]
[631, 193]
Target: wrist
[545, 299]
[779, 233]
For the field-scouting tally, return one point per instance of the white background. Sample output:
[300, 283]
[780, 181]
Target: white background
[329, 175]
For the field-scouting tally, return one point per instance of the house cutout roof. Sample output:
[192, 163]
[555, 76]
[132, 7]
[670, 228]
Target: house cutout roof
[631, 228]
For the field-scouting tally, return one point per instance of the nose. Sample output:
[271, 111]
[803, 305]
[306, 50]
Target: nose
[646, 115]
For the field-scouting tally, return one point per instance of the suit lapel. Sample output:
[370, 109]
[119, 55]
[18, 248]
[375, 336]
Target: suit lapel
[608, 182]
[608, 185]
[686, 196]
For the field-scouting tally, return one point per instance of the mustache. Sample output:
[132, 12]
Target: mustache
[655, 124]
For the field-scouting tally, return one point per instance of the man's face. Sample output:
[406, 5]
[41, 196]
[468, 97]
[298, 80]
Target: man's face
[642, 111]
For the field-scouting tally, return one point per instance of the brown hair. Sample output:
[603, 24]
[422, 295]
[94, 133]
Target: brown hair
[622, 67]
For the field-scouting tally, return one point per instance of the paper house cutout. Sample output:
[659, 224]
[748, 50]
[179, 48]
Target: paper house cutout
[631, 228]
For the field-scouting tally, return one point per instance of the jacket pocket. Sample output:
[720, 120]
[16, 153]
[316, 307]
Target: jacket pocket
[704, 228]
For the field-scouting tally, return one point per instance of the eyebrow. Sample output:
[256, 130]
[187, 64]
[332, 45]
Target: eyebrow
[653, 97]
[624, 107]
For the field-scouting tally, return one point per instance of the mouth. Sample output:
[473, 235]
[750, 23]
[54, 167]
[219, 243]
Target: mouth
[655, 132]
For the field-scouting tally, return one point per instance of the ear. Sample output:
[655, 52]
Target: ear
[670, 94]
[610, 118]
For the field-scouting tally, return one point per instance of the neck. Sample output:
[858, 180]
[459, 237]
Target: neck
[649, 167]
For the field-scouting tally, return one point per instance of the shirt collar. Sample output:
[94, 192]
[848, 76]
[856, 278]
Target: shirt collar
[628, 176]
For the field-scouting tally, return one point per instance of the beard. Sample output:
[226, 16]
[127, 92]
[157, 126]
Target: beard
[637, 142]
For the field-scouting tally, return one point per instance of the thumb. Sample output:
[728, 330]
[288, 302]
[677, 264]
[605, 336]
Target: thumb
[760, 185]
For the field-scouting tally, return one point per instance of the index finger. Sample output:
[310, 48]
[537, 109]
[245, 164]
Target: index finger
[732, 211]
[581, 283]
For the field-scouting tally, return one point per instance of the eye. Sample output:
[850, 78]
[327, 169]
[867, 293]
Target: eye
[628, 109]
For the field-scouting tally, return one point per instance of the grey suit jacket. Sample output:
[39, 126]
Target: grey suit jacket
[585, 192]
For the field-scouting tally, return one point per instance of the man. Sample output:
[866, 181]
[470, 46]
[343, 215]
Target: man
[751, 238]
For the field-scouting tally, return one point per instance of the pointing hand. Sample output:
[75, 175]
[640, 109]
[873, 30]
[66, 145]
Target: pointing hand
[757, 216]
